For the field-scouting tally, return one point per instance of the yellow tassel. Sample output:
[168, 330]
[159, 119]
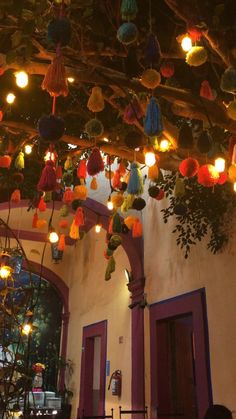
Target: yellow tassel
[96, 100]
[74, 231]
[20, 161]
[68, 163]
[93, 184]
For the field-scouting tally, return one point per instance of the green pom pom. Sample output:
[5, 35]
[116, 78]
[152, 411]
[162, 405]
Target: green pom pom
[127, 33]
[228, 80]
[196, 56]
[94, 128]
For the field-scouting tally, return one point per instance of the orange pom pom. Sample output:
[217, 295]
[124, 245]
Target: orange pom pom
[15, 196]
[68, 196]
[5, 161]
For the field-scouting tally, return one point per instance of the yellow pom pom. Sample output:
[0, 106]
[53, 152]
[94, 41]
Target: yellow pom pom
[232, 173]
[117, 200]
[153, 172]
[93, 184]
[231, 110]
[196, 56]
[96, 101]
[150, 78]
[80, 192]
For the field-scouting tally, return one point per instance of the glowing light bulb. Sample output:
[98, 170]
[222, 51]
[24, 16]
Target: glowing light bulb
[10, 98]
[28, 149]
[71, 79]
[50, 155]
[5, 272]
[220, 164]
[98, 228]
[186, 43]
[150, 158]
[234, 186]
[26, 329]
[22, 79]
[53, 237]
[106, 140]
[110, 205]
[164, 145]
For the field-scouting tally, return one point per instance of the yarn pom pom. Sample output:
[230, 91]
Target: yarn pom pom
[51, 128]
[223, 177]
[208, 175]
[153, 191]
[139, 204]
[133, 139]
[94, 128]
[189, 167]
[95, 163]
[5, 161]
[59, 31]
[96, 101]
[153, 51]
[185, 139]
[204, 142]
[48, 179]
[129, 9]
[135, 185]
[228, 80]
[196, 56]
[206, 91]
[127, 33]
[150, 78]
[231, 110]
[194, 33]
[167, 69]
[153, 120]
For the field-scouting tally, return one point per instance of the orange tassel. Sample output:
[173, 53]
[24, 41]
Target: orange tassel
[55, 81]
[42, 205]
[15, 196]
[61, 244]
[74, 231]
[93, 184]
[116, 183]
[137, 230]
[79, 217]
[122, 168]
[68, 196]
[35, 220]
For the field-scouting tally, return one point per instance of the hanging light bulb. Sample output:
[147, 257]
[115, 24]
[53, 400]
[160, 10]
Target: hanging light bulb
[186, 43]
[164, 145]
[50, 155]
[5, 271]
[28, 149]
[110, 205]
[70, 79]
[10, 98]
[220, 164]
[26, 329]
[53, 236]
[150, 158]
[22, 79]
[234, 186]
[98, 228]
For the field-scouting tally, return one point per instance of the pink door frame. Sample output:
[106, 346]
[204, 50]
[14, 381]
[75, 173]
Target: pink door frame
[89, 333]
[194, 303]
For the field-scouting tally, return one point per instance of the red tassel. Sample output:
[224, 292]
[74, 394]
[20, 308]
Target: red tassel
[116, 183]
[61, 244]
[79, 217]
[48, 180]
[137, 230]
[122, 168]
[15, 196]
[42, 205]
[68, 196]
[95, 163]
[82, 169]
[206, 91]
[35, 220]
[59, 172]
[55, 81]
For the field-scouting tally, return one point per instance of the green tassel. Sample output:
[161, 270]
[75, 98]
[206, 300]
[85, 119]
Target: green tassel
[116, 223]
[111, 267]
[128, 9]
[20, 161]
[64, 211]
[179, 188]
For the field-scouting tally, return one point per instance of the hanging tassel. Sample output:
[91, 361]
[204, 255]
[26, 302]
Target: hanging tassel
[41, 223]
[68, 196]
[48, 180]
[153, 51]
[35, 220]
[15, 196]
[20, 161]
[111, 267]
[80, 192]
[137, 229]
[64, 211]
[68, 163]
[116, 182]
[206, 91]
[82, 169]
[63, 224]
[79, 217]
[153, 120]
[74, 231]
[133, 112]
[59, 172]
[116, 225]
[132, 66]
[55, 81]
[93, 184]
[42, 205]
[61, 243]
[129, 9]
[153, 172]
[117, 200]
[179, 188]
[122, 168]
[95, 162]
[135, 185]
[96, 100]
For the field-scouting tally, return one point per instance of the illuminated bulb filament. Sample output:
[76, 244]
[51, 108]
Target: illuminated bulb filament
[164, 145]
[53, 237]
[10, 98]
[98, 228]
[26, 329]
[220, 165]
[5, 272]
[234, 186]
[110, 205]
[71, 79]
[150, 159]
[22, 79]
[186, 43]
[28, 149]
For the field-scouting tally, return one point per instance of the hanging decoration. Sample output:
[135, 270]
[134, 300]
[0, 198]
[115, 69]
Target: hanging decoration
[129, 9]
[135, 184]
[208, 176]
[167, 69]
[51, 128]
[196, 56]
[206, 90]
[127, 33]
[228, 80]
[150, 78]
[153, 120]
[20, 161]
[94, 128]
[95, 163]
[189, 167]
[48, 179]
[96, 100]
[153, 51]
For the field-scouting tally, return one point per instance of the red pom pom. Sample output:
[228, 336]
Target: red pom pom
[223, 177]
[194, 33]
[48, 180]
[189, 167]
[161, 195]
[206, 91]
[208, 175]
[95, 163]
[82, 169]
[167, 69]
[5, 161]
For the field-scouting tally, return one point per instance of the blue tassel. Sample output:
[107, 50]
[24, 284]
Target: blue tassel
[135, 185]
[128, 9]
[153, 51]
[153, 119]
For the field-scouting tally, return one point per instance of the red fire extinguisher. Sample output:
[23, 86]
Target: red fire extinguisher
[115, 383]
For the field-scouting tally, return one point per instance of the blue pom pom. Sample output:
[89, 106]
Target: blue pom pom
[153, 119]
[51, 128]
[153, 51]
[59, 31]
[228, 80]
[127, 33]
[135, 185]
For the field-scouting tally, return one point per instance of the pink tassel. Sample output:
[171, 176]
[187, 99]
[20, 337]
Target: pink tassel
[133, 112]
[95, 163]
[206, 91]
[55, 81]
[48, 180]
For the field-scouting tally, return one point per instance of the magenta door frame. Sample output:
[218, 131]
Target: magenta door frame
[89, 333]
[194, 303]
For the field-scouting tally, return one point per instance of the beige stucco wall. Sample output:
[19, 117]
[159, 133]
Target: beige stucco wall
[168, 274]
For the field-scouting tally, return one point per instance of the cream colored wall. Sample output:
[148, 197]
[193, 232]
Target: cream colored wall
[168, 274]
